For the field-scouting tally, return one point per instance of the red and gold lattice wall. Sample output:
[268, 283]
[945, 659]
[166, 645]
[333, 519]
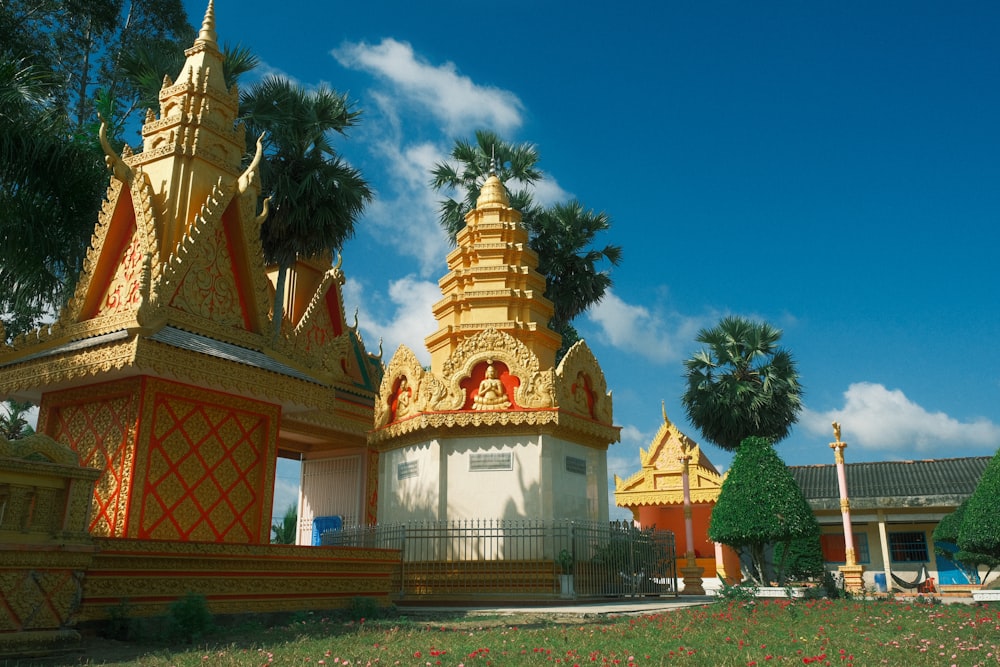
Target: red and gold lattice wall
[179, 462]
[99, 424]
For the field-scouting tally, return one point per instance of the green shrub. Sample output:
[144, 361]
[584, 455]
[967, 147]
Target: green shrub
[979, 533]
[742, 593]
[362, 608]
[759, 504]
[189, 618]
[120, 623]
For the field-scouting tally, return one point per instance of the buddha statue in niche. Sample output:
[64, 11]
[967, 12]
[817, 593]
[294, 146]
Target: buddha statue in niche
[491, 394]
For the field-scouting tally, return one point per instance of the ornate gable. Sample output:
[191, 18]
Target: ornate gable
[321, 338]
[582, 388]
[123, 246]
[658, 482]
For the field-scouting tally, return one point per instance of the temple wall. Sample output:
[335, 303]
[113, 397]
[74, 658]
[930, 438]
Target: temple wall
[99, 423]
[149, 575]
[671, 517]
[493, 477]
[409, 483]
[178, 462]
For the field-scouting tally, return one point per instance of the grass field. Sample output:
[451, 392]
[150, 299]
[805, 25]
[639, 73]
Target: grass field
[773, 632]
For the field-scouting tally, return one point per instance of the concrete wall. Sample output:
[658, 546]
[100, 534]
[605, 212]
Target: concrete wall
[493, 477]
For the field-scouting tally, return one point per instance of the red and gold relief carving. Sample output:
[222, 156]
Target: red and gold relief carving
[208, 288]
[41, 598]
[209, 472]
[583, 396]
[99, 424]
[123, 293]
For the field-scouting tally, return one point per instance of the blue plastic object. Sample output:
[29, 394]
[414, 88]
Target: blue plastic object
[322, 524]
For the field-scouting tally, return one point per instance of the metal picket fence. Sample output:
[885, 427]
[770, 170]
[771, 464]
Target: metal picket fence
[520, 559]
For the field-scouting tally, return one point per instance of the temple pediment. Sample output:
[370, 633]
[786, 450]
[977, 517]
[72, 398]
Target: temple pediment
[494, 380]
[659, 479]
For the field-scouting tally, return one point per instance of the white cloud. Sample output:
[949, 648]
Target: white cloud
[409, 321]
[877, 418]
[454, 99]
[656, 336]
[548, 191]
[406, 217]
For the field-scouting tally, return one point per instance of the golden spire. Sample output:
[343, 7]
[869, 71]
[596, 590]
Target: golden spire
[493, 192]
[207, 33]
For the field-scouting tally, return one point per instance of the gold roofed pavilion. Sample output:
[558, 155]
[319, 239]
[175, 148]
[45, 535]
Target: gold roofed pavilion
[161, 371]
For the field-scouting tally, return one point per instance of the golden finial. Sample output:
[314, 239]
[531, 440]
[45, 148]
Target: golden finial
[663, 407]
[207, 33]
[836, 430]
[493, 191]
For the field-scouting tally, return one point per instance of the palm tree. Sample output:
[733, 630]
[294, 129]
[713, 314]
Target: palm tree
[741, 384]
[284, 531]
[316, 196]
[13, 425]
[561, 235]
[514, 163]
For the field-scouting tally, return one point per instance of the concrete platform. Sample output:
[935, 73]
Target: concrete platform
[632, 606]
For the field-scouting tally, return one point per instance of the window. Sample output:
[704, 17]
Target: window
[835, 551]
[908, 547]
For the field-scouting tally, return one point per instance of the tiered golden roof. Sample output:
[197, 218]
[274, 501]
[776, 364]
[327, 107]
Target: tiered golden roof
[493, 283]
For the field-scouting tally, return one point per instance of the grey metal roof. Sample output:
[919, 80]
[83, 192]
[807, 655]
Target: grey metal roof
[71, 346]
[186, 340]
[882, 479]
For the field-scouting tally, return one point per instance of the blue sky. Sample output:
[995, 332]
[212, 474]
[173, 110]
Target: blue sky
[832, 168]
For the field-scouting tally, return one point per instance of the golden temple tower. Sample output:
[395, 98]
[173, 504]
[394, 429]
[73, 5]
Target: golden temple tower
[493, 429]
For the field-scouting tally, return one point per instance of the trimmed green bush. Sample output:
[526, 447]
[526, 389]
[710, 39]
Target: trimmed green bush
[759, 504]
[979, 531]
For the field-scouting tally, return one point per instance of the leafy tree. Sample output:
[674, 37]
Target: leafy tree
[760, 504]
[81, 42]
[51, 183]
[284, 530]
[946, 533]
[741, 384]
[316, 196]
[979, 532]
[562, 235]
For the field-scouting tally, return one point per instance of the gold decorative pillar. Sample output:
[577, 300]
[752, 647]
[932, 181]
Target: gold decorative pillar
[851, 571]
[693, 584]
